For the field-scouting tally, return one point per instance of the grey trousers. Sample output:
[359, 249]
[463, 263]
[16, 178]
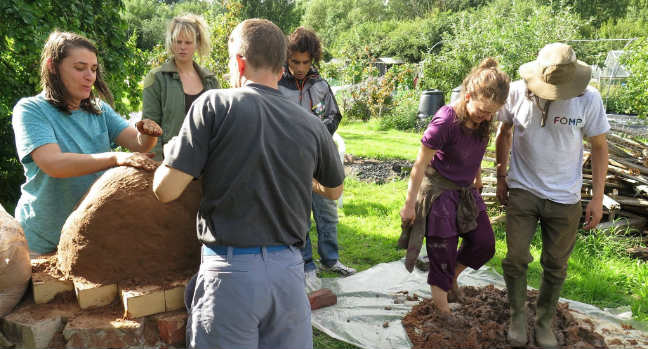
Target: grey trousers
[249, 301]
[558, 226]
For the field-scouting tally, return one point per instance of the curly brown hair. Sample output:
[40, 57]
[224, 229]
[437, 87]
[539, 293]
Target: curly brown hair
[488, 83]
[56, 48]
[305, 40]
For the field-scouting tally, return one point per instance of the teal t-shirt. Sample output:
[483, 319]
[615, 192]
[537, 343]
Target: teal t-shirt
[46, 202]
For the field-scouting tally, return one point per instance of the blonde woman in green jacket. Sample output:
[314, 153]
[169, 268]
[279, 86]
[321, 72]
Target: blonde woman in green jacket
[170, 88]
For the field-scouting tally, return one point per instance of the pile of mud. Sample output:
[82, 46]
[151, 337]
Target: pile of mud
[120, 230]
[481, 321]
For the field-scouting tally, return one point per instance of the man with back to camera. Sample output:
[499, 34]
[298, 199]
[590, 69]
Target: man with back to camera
[302, 84]
[543, 124]
[260, 157]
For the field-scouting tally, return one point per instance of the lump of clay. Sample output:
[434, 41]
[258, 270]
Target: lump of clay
[15, 266]
[120, 230]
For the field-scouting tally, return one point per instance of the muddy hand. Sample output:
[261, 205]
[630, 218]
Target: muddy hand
[149, 127]
[407, 215]
[137, 160]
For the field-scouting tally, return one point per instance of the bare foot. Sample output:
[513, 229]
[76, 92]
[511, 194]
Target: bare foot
[455, 295]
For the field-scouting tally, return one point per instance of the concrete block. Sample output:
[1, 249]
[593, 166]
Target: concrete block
[172, 327]
[103, 330]
[322, 298]
[174, 295]
[46, 287]
[142, 301]
[35, 325]
[90, 295]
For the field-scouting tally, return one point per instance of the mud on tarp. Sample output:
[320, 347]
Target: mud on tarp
[372, 303]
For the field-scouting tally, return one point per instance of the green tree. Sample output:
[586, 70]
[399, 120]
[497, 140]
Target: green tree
[23, 30]
[634, 94]
[221, 25]
[329, 18]
[512, 39]
[408, 39]
[284, 13]
[598, 11]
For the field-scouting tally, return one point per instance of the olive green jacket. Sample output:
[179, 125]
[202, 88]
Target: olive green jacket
[164, 100]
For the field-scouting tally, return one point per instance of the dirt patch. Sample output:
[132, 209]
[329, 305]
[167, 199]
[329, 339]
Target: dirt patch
[481, 321]
[377, 171]
[120, 230]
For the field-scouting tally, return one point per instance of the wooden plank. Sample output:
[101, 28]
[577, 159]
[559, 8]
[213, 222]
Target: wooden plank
[629, 164]
[626, 200]
[621, 224]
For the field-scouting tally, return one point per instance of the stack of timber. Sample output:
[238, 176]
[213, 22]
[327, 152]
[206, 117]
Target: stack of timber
[625, 204]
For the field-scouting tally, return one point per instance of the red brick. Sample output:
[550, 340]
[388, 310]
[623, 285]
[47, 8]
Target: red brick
[321, 298]
[172, 327]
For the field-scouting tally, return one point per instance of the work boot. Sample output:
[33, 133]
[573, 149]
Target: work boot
[517, 295]
[545, 310]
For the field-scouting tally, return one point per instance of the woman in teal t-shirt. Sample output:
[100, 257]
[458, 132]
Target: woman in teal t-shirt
[64, 138]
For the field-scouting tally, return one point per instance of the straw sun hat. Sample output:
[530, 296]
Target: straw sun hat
[556, 73]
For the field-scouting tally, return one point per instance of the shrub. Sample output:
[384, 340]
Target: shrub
[634, 94]
[402, 116]
[513, 39]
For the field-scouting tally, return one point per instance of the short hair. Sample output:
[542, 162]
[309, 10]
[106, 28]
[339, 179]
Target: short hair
[261, 42]
[56, 48]
[305, 40]
[195, 26]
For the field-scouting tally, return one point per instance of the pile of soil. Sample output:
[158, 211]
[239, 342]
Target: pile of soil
[120, 230]
[377, 171]
[481, 321]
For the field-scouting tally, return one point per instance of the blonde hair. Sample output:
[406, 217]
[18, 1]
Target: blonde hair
[486, 82]
[195, 26]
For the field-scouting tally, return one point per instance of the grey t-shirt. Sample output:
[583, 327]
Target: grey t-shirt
[257, 153]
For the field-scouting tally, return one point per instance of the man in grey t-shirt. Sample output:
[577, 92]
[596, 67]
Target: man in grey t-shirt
[259, 157]
[551, 110]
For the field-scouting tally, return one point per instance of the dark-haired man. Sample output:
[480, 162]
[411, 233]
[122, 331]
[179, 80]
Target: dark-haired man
[302, 84]
[260, 157]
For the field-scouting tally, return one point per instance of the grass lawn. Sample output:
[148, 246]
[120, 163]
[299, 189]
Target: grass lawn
[600, 272]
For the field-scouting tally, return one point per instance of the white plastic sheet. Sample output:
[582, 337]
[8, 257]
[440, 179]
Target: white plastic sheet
[366, 302]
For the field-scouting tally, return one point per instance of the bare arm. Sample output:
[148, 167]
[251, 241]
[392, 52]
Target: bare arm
[503, 142]
[58, 164]
[594, 210]
[425, 155]
[477, 183]
[169, 183]
[329, 193]
[140, 138]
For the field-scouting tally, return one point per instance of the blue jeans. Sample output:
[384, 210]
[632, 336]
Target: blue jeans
[326, 220]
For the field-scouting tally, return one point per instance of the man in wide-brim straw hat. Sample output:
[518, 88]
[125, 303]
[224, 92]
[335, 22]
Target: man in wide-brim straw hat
[551, 109]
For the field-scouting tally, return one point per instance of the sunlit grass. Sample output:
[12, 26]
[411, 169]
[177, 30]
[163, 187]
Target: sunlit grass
[600, 271]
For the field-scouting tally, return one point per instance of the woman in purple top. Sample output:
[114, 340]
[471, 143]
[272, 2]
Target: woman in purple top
[451, 152]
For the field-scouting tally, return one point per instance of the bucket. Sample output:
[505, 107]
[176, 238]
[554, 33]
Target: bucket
[430, 102]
